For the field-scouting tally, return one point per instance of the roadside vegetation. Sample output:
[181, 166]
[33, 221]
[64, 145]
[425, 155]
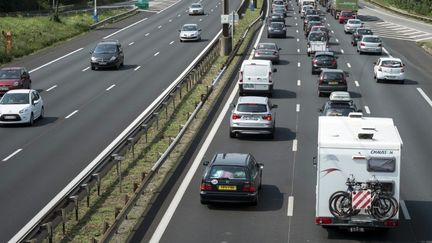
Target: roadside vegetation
[420, 7]
[427, 45]
[31, 34]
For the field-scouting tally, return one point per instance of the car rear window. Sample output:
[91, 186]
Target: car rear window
[277, 25]
[228, 171]
[372, 39]
[354, 21]
[266, 46]
[365, 32]
[347, 14]
[255, 70]
[251, 107]
[325, 58]
[333, 76]
[392, 64]
[342, 111]
[315, 18]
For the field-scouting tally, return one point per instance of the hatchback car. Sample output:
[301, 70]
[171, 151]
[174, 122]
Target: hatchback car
[14, 78]
[311, 11]
[358, 34]
[253, 115]
[345, 15]
[277, 18]
[196, 9]
[309, 18]
[280, 3]
[232, 178]
[21, 106]
[107, 54]
[389, 68]
[304, 9]
[370, 44]
[310, 25]
[332, 80]
[351, 25]
[340, 104]
[190, 32]
[267, 51]
[323, 60]
[279, 10]
[276, 29]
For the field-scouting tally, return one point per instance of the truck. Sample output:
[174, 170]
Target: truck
[358, 172]
[336, 6]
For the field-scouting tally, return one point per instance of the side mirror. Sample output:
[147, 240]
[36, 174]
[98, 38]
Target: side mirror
[205, 163]
[274, 69]
[179, 30]
[261, 165]
[346, 73]
[314, 161]
[281, 49]
[320, 110]
[274, 106]
[199, 30]
[337, 57]
[374, 63]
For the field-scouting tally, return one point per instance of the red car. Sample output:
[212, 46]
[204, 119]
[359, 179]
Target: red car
[345, 15]
[14, 78]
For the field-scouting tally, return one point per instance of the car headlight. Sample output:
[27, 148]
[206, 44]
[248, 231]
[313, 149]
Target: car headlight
[16, 83]
[93, 59]
[113, 58]
[25, 110]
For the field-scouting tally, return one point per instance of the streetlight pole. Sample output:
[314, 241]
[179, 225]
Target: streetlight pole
[226, 40]
[95, 16]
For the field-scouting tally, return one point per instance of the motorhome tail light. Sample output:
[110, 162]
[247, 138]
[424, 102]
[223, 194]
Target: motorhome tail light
[270, 80]
[402, 70]
[235, 116]
[315, 61]
[267, 117]
[334, 62]
[391, 223]
[206, 187]
[323, 220]
[362, 44]
[249, 188]
[358, 157]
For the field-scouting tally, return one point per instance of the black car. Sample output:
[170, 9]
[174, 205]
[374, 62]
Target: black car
[338, 108]
[276, 18]
[276, 29]
[309, 18]
[231, 177]
[323, 60]
[358, 33]
[310, 25]
[107, 54]
[332, 80]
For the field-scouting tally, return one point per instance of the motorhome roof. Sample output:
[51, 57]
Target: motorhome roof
[343, 132]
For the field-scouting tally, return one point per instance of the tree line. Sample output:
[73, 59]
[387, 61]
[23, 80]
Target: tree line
[40, 5]
[422, 7]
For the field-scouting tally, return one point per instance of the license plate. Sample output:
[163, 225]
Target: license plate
[248, 86]
[249, 118]
[4, 88]
[9, 117]
[227, 188]
[333, 82]
[262, 86]
[102, 63]
[391, 76]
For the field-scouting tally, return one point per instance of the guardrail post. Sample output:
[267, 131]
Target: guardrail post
[48, 227]
[64, 220]
[143, 176]
[132, 142]
[165, 104]
[98, 182]
[172, 95]
[179, 87]
[105, 227]
[118, 167]
[156, 114]
[87, 189]
[75, 200]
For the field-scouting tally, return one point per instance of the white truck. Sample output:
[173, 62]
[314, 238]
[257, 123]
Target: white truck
[358, 172]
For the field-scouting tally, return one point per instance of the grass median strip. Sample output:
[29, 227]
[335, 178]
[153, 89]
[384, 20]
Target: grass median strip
[427, 45]
[101, 213]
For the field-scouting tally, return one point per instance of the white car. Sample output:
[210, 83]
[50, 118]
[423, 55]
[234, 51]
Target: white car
[21, 106]
[190, 32]
[196, 9]
[351, 25]
[389, 68]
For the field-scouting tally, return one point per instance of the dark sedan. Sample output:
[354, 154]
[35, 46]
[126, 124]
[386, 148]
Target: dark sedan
[276, 29]
[358, 34]
[310, 18]
[310, 25]
[14, 78]
[332, 80]
[338, 108]
[277, 18]
[107, 54]
[267, 51]
[323, 60]
[231, 177]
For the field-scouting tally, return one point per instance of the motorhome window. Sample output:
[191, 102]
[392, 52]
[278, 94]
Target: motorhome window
[381, 164]
[255, 70]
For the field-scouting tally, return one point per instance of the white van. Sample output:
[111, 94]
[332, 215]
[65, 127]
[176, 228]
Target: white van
[255, 77]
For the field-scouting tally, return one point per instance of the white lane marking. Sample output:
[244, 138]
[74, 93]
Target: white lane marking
[131, 43]
[295, 17]
[297, 31]
[367, 109]
[211, 10]
[428, 100]
[328, 25]
[332, 32]
[171, 42]
[85, 69]
[357, 83]
[160, 26]
[342, 51]
[417, 36]
[325, 18]
[71, 114]
[298, 50]
[386, 52]
[125, 28]
[298, 39]
[298, 108]
[294, 146]
[147, 34]
[110, 87]
[298, 64]
[168, 7]
[296, 24]
[290, 206]
[200, 20]
[298, 82]
[423, 39]
[337, 40]
[405, 210]
[55, 60]
[137, 68]
[170, 20]
[157, 53]
[395, 16]
[178, 15]
[12, 155]
[348, 64]
[53, 87]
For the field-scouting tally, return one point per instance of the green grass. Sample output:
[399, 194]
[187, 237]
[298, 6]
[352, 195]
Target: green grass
[427, 45]
[34, 33]
[419, 7]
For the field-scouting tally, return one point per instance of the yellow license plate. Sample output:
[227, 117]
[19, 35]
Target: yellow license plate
[227, 188]
[334, 82]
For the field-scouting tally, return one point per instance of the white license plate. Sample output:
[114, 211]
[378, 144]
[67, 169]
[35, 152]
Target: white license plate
[248, 86]
[4, 88]
[9, 117]
[261, 86]
[102, 63]
[249, 118]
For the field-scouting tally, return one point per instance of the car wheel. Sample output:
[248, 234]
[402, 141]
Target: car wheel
[118, 66]
[360, 52]
[122, 63]
[41, 115]
[320, 94]
[255, 202]
[268, 36]
[232, 134]
[93, 67]
[402, 81]
[378, 80]
[203, 202]
[271, 135]
[308, 54]
[31, 121]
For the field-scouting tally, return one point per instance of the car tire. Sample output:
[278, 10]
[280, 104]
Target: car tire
[272, 134]
[42, 113]
[308, 54]
[117, 66]
[255, 202]
[93, 67]
[360, 52]
[203, 202]
[402, 81]
[122, 63]
[320, 94]
[31, 121]
[232, 134]
[378, 80]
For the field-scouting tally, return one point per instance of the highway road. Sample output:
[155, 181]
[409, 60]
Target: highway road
[286, 209]
[85, 110]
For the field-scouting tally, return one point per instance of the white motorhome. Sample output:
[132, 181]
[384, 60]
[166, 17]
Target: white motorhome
[255, 77]
[368, 150]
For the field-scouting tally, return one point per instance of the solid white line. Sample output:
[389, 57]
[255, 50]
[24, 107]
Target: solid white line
[342, 51]
[298, 64]
[53, 87]
[125, 28]
[297, 31]
[147, 34]
[137, 68]
[405, 210]
[348, 64]
[170, 20]
[71, 114]
[55, 60]
[131, 43]
[290, 206]
[85, 69]
[298, 39]
[171, 42]
[332, 32]
[298, 50]
[168, 7]
[298, 108]
[298, 82]
[12, 155]
[357, 83]
[386, 52]
[157, 53]
[428, 100]
[367, 109]
[110, 87]
[160, 26]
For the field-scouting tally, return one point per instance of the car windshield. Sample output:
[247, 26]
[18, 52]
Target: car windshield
[11, 73]
[391, 63]
[365, 32]
[266, 46]
[333, 75]
[189, 28]
[277, 25]
[317, 37]
[196, 5]
[372, 39]
[227, 171]
[15, 98]
[256, 70]
[106, 48]
[251, 107]
[347, 14]
[278, 3]
[314, 18]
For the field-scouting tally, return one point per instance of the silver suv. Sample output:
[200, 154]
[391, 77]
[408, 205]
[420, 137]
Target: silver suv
[253, 115]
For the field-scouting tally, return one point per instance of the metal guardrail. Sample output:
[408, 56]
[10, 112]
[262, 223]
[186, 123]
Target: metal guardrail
[66, 11]
[396, 10]
[115, 18]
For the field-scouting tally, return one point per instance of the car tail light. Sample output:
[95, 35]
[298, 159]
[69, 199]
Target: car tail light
[391, 223]
[379, 45]
[321, 80]
[275, 53]
[362, 44]
[258, 53]
[206, 187]
[267, 117]
[270, 80]
[334, 62]
[235, 116]
[315, 61]
[241, 77]
[323, 220]
[249, 188]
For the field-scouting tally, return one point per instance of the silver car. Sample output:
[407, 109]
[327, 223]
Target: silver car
[190, 32]
[370, 43]
[253, 115]
[267, 51]
[196, 9]
[352, 25]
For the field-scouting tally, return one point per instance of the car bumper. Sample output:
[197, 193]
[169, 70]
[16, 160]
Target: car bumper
[195, 38]
[331, 88]
[349, 30]
[277, 34]
[108, 64]
[261, 130]
[264, 57]
[318, 68]
[231, 197]
[391, 76]
[196, 12]
[269, 90]
[370, 49]
[14, 118]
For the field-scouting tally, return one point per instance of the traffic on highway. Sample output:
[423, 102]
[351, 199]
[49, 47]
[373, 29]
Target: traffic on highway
[323, 135]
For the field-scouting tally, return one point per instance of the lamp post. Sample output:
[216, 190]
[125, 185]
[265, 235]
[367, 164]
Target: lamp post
[95, 16]
[226, 40]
